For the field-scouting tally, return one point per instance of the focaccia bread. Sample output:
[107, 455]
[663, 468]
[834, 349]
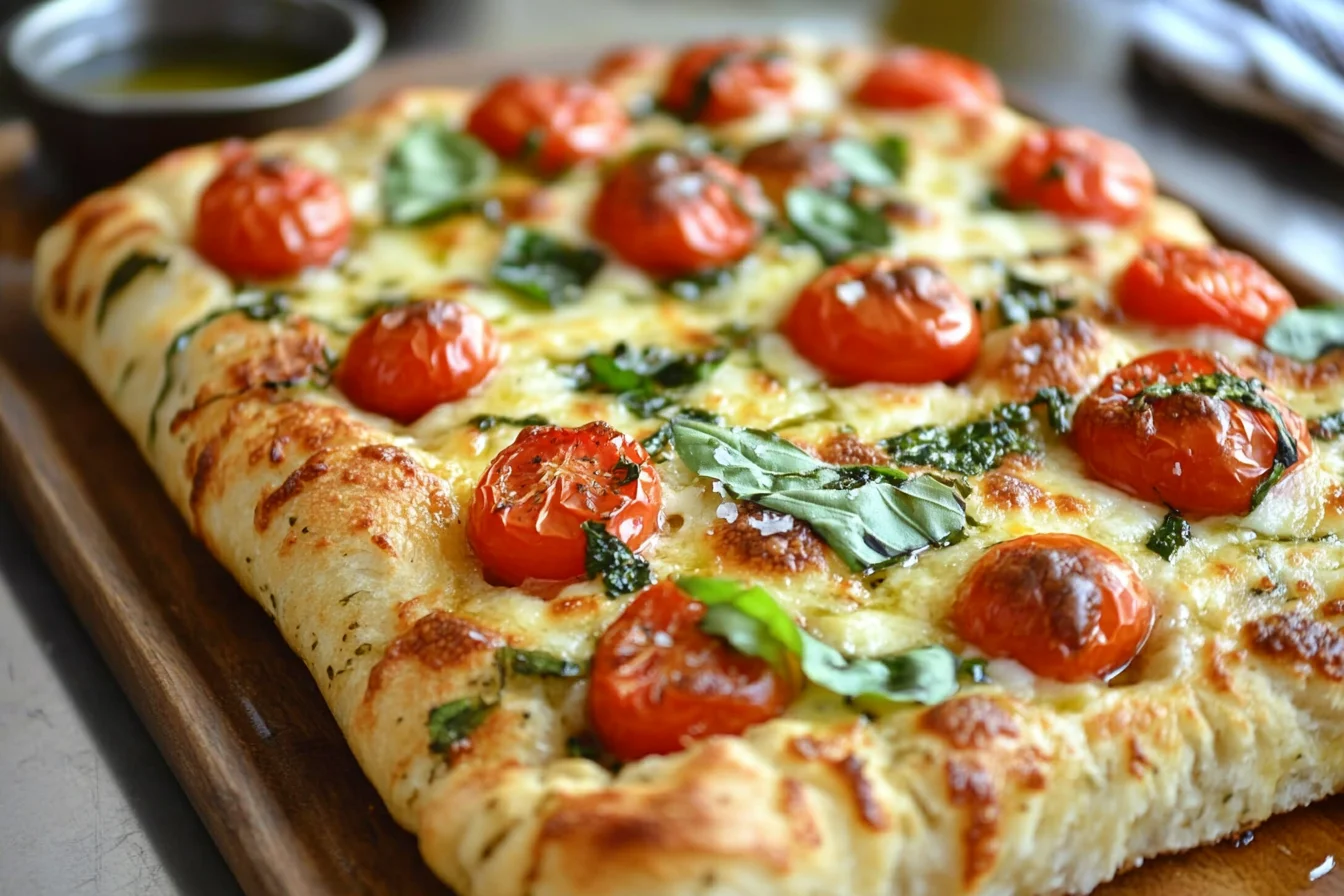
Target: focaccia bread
[365, 360]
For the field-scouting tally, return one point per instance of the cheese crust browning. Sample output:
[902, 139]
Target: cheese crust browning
[350, 532]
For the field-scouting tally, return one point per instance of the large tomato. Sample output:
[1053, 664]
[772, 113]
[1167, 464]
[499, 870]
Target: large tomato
[548, 122]
[716, 82]
[658, 681]
[915, 77]
[882, 320]
[1195, 453]
[264, 218]
[1062, 605]
[531, 503]
[1079, 174]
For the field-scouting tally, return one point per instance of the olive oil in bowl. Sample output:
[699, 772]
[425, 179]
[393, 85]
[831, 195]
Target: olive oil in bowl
[187, 66]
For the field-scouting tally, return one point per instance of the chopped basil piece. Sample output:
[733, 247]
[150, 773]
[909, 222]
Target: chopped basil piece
[485, 422]
[974, 669]
[434, 172]
[1327, 427]
[453, 722]
[628, 471]
[1172, 534]
[694, 287]
[1247, 393]
[1307, 333]
[871, 164]
[871, 516]
[538, 663]
[127, 270]
[542, 269]
[1058, 406]
[607, 556]
[1022, 300]
[749, 619]
[968, 448]
[256, 306]
[836, 227]
[642, 378]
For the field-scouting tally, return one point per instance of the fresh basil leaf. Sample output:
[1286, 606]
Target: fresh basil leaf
[130, 267]
[1022, 300]
[751, 621]
[926, 675]
[1305, 334]
[1247, 393]
[538, 663]
[1327, 427]
[969, 448]
[542, 269]
[642, 379]
[1172, 534]
[452, 723]
[659, 443]
[870, 516]
[694, 287]
[622, 572]
[486, 422]
[433, 172]
[836, 227]
[1058, 405]
[872, 165]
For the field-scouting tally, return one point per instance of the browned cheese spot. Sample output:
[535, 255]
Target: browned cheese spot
[742, 542]
[848, 449]
[1300, 639]
[313, 468]
[793, 803]
[838, 755]
[1280, 371]
[87, 217]
[1005, 491]
[1333, 608]
[1063, 352]
[439, 641]
[971, 787]
[972, 722]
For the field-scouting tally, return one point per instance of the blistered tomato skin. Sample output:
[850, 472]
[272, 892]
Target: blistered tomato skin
[406, 361]
[721, 81]
[549, 123]
[800, 160]
[659, 682]
[1200, 455]
[1192, 286]
[1064, 606]
[263, 218]
[916, 78]
[672, 213]
[533, 499]
[1080, 175]
[882, 320]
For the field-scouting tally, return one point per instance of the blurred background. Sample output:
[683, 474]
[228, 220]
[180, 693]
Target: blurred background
[1225, 98]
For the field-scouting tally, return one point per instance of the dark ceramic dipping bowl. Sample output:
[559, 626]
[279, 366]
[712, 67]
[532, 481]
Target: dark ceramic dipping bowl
[112, 84]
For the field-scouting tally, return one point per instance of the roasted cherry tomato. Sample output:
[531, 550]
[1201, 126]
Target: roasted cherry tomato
[914, 77]
[724, 80]
[262, 218]
[1197, 454]
[1192, 286]
[1079, 174]
[882, 320]
[406, 361]
[802, 160]
[658, 681]
[537, 493]
[674, 213]
[551, 123]
[1061, 605]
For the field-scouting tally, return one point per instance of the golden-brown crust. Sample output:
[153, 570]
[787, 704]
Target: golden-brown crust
[373, 587]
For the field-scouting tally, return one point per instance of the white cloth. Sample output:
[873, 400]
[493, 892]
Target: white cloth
[1281, 59]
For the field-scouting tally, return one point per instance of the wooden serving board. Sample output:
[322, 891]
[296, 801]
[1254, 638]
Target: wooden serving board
[235, 713]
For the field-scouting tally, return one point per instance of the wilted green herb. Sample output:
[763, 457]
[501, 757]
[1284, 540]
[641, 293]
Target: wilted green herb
[622, 572]
[1172, 534]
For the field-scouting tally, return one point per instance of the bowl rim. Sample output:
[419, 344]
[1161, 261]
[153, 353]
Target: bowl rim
[367, 36]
